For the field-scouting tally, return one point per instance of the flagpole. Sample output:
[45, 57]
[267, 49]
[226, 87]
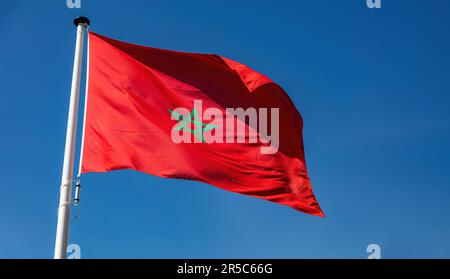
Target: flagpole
[69, 153]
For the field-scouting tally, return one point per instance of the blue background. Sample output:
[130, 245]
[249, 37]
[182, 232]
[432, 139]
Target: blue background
[373, 87]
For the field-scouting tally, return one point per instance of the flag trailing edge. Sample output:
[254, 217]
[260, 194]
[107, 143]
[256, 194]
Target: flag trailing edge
[193, 116]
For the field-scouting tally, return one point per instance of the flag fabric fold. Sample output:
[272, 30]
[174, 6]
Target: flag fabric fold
[193, 116]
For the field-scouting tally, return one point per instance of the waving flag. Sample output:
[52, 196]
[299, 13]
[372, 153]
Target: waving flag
[193, 116]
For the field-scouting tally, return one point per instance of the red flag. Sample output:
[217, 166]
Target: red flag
[192, 116]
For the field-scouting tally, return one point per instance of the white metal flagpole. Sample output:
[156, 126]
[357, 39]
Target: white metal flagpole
[69, 154]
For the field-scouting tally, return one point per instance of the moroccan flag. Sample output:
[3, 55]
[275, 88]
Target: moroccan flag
[193, 116]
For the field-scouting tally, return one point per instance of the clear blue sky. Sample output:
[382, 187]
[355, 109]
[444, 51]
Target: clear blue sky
[373, 87]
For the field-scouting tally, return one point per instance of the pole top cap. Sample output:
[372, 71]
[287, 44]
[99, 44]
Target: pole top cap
[82, 20]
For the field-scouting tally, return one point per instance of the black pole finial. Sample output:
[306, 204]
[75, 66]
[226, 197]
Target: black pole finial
[81, 19]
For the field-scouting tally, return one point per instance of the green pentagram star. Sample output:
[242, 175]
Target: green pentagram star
[200, 127]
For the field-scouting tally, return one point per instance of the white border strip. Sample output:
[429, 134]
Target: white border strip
[85, 107]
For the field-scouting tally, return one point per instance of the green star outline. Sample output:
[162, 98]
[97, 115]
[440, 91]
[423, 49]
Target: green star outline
[200, 127]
